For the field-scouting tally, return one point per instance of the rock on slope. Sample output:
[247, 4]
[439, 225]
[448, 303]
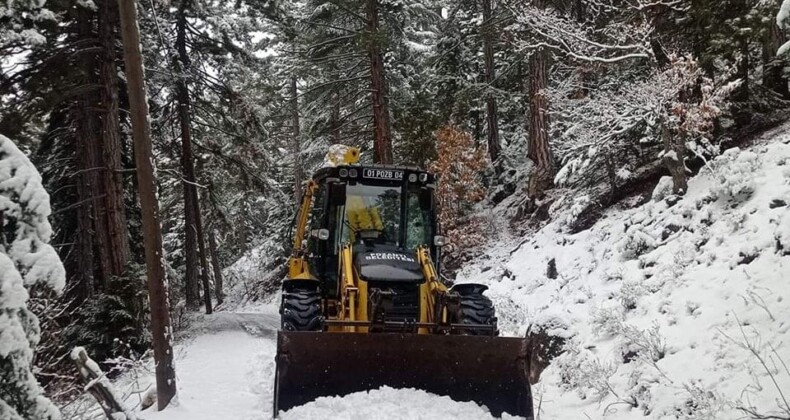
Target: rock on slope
[673, 309]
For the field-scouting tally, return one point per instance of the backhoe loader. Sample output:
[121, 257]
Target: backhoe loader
[363, 304]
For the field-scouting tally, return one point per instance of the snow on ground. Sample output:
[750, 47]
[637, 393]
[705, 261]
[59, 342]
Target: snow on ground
[227, 372]
[391, 404]
[668, 304]
[223, 376]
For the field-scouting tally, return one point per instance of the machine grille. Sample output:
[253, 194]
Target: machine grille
[399, 304]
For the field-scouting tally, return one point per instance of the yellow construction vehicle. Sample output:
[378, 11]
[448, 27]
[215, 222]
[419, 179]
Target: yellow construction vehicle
[363, 304]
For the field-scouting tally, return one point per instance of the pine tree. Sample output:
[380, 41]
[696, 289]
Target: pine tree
[27, 261]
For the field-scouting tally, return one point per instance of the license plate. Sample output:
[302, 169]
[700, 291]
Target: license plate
[388, 174]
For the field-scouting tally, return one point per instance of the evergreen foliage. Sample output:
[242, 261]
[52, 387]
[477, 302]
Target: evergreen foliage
[26, 261]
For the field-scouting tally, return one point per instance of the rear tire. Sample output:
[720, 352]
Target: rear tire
[301, 310]
[477, 308]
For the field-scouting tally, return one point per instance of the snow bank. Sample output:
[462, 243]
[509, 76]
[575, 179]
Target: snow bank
[389, 403]
[670, 303]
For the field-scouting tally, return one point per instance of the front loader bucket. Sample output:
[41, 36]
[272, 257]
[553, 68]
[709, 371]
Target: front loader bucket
[490, 371]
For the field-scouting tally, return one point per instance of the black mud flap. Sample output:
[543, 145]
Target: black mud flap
[491, 371]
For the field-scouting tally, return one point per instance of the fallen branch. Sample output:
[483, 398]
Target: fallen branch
[100, 387]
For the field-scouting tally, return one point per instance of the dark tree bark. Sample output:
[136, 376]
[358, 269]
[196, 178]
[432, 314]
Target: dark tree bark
[191, 215]
[773, 77]
[212, 246]
[152, 235]
[382, 141]
[118, 247]
[487, 30]
[334, 120]
[85, 280]
[539, 150]
[204, 273]
[296, 143]
[673, 159]
[87, 127]
[742, 94]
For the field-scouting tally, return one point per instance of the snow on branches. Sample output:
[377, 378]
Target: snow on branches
[538, 27]
[26, 259]
[22, 15]
[783, 21]
[605, 135]
[24, 209]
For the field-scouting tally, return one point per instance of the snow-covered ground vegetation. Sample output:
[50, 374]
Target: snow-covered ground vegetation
[676, 308]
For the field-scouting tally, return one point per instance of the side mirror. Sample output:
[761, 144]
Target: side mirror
[439, 240]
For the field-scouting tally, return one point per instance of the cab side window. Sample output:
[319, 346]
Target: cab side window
[317, 217]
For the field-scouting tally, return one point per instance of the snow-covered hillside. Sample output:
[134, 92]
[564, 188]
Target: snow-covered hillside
[673, 309]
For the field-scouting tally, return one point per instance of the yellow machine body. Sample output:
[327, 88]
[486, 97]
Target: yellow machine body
[365, 335]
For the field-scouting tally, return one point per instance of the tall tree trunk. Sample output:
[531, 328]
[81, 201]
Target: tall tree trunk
[487, 29]
[191, 215]
[773, 66]
[88, 188]
[539, 150]
[742, 94]
[334, 119]
[674, 158]
[152, 235]
[296, 143]
[382, 141]
[118, 247]
[212, 247]
[204, 273]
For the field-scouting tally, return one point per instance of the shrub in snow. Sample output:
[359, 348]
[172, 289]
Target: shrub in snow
[607, 322]
[701, 403]
[735, 171]
[580, 204]
[649, 344]
[26, 259]
[638, 395]
[629, 294]
[782, 235]
[587, 375]
[637, 241]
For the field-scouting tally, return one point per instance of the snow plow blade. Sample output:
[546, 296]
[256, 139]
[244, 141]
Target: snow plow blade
[491, 371]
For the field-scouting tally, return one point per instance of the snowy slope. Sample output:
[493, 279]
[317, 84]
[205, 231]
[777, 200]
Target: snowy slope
[668, 305]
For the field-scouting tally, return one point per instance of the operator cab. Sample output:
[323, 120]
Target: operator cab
[385, 212]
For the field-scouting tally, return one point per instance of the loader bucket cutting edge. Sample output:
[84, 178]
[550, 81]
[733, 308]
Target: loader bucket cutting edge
[491, 371]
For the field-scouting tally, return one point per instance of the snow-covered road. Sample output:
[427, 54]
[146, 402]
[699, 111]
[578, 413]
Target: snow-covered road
[226, 371]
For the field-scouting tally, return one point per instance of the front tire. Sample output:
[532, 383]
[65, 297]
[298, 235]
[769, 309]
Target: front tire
[301, 310]
[476, 308]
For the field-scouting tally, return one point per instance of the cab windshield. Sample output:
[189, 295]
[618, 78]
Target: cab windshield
[375, 213]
